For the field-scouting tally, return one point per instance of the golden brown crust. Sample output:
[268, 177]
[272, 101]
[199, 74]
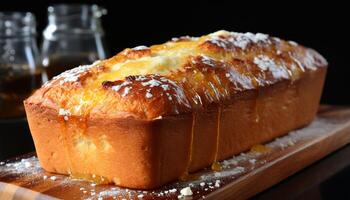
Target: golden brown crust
[199, 72]
[146, 154]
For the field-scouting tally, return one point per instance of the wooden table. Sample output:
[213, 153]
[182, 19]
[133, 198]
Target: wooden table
[242, 176]
[326, 179]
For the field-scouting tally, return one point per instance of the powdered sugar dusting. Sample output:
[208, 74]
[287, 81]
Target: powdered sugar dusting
[208, 61]
[64, 113]
[141, 47]
[179, 93]
[309, 60]
[149, 95]
[166, 85]
[176, 39]
[266, 63]
[225, 39]
[151, 86]
[118, 87]
[126, 91]
[239, 80]
[293, 43]
[152, 83]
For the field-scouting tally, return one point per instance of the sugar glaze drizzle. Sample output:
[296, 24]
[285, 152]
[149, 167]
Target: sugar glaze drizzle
[186, 175]
[216, 166]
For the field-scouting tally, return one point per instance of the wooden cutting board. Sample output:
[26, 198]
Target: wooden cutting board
[241, 176]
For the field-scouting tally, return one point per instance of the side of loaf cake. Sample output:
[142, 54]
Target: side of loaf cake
[150, 115]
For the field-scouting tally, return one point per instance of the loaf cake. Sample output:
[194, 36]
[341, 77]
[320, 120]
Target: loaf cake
[151, 115]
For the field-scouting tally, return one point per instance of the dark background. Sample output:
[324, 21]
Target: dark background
[322, 26]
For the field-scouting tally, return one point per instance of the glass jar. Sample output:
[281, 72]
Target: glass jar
[20, 75]
[20, 71]
[73, 36]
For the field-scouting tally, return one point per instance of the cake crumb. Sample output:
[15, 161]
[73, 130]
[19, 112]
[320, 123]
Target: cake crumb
[45, 177]
[149, 95]
[63, 112]
[252, 161]
[186, 191]
[291, 143]
[53, 178]
[217, 183]
[140, 196]
[173, 190]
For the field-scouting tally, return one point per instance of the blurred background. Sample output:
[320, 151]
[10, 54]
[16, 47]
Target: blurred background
[322, 26]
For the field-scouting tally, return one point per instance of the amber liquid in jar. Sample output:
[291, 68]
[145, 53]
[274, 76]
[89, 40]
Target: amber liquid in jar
[14, 88]
[60, 63]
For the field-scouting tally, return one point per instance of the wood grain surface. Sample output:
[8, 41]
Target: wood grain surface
[240, 177]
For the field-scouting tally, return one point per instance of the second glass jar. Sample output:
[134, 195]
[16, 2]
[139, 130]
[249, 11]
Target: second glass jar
[73, 36]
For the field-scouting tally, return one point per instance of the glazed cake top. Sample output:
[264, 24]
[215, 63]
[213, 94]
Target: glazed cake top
[179, 76]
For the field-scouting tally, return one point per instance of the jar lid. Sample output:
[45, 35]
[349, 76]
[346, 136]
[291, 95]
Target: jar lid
[74, 19]
[17, 24]
[71, 11]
